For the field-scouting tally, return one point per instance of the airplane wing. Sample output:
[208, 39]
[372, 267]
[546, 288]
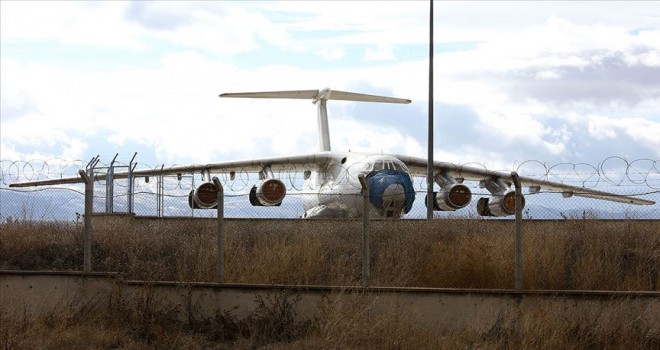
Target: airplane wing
[418, 167]
[307, 162]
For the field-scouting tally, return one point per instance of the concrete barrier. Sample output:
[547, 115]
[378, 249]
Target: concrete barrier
[30, 294]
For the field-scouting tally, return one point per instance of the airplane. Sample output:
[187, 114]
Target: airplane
[331, 179]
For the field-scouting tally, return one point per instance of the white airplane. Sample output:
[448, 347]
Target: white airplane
[331, 184]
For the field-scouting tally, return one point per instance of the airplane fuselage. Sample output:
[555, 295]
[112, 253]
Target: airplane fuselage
[335, 189]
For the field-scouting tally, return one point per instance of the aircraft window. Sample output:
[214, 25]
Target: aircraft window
[378, 166]
[400, 166]
[367, 166]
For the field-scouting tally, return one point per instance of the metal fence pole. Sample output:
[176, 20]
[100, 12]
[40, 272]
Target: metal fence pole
[366, 268]
[87, 235]
[131, 184]
[518, 238]
[160, 193]
[110, 187]
[220, 235]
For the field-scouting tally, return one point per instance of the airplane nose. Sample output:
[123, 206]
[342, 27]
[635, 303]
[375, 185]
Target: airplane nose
[394, 199]
[391, 192]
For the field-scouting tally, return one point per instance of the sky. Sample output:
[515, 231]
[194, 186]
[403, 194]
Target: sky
[554, 82]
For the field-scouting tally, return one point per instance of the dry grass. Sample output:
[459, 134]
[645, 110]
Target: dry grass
[572, 254]
[144, 322]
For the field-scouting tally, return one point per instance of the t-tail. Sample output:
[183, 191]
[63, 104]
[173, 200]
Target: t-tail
[319, 97]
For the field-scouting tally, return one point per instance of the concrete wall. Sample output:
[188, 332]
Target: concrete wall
[30, 294]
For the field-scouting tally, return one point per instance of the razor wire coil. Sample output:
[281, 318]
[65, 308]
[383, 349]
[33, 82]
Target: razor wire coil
[615, 171]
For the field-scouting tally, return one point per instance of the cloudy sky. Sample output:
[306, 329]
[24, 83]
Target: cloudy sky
[551, 81]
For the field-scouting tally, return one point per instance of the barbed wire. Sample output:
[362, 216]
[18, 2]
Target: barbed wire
[613, 171]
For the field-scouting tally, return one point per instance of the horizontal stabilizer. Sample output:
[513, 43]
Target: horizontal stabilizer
[325, 94]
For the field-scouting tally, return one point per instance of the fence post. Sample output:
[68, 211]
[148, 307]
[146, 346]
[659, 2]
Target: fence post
[131, 184]
[110, 187]
[87, 235]
[518, 238]
[366, 268]
[220, 237]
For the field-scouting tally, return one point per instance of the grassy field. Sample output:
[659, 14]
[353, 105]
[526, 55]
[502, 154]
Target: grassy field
[571, 254]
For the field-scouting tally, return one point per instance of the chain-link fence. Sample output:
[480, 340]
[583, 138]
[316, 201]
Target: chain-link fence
[567, 243]
[170, 195]
[67, 204]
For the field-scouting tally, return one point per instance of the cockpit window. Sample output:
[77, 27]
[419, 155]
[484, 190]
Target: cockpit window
[385, 164]
[400, 166]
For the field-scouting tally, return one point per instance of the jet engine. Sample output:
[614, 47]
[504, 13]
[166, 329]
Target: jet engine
[498, 205]
[268, 193]
[452, 197]
[204, 197]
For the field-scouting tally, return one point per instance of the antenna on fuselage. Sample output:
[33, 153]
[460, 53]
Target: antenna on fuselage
[319, 97]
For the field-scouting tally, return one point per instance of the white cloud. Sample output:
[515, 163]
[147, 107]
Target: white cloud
[601, 128]
[332, 54]
[534, 63]
[379, 53]
[547, 75]
[639, 129]
[357, 137]
[98, 24]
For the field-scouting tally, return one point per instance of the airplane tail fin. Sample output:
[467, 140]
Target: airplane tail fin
[316, 96]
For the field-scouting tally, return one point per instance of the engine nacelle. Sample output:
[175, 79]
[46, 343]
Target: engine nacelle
[268, 193]
[499, 205]
[204, 197]
[455, 196]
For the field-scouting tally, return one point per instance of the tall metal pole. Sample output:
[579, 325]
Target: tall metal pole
[429, 174]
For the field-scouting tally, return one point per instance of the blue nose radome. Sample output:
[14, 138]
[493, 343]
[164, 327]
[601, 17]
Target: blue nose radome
[391, 192]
